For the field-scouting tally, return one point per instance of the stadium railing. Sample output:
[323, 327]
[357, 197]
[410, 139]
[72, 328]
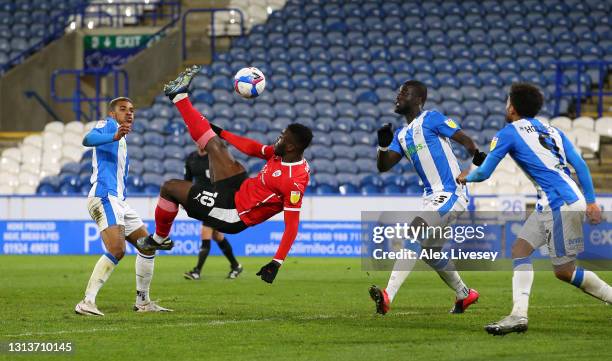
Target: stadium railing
[136, 10]
[212, 12]
[33, 94]
[78, 97]
[56, 26]
[581, 67]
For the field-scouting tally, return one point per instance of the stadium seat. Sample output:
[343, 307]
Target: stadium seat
[583, 123]
[563, 123]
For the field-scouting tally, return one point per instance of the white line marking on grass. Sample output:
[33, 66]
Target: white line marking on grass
[179, 325]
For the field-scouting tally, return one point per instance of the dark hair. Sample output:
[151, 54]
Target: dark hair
[419, 87]
[302, 135]
[526, 99]
[113, 103]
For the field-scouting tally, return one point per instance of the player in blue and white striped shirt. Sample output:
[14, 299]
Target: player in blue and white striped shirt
[116, 220]
[425, 141]
[544, 153]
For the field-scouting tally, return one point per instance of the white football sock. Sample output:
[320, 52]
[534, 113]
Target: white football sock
[177, 98]
[590, 283]
[521, 286]
[158, 239]
[144, 275]
[101, 272]
[401, 270]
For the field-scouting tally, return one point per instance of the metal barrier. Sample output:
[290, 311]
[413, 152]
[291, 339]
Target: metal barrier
[212, 12]
[119, 12]
[79, 98]
[581, 67]
[33, 94]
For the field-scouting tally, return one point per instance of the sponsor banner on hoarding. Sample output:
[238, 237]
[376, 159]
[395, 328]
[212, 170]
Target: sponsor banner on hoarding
[316, 239]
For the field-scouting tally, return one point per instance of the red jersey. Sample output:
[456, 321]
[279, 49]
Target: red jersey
[278, 186]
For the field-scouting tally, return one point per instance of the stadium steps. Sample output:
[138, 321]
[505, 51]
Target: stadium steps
[12, 139]
[198, 39]
[589, 107]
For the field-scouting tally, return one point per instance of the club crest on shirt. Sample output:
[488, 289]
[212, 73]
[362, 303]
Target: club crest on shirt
[493, 144]
[451, 123]
[294, 198]
[276, 173]
[101, 123]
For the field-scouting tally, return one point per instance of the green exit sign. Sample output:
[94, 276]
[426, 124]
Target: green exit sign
[97, 42]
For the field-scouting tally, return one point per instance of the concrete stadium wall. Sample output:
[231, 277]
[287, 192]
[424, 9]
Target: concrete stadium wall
[18, 113]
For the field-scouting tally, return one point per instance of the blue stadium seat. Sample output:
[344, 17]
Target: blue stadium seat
[326, 189]
[136, 166]
[152, 179]
[370, 189]
[346, 166]
[154, 139]
[321, 152]
[71, 168]
[474, 122]
[341, 138]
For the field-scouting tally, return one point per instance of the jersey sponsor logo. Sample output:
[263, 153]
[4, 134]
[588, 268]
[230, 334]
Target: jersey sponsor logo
[412, 149]
[277, 173]
[295, 196]
[493, 144]
[101, 123]
[451, 123]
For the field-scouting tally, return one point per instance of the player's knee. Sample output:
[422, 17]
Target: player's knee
[167, 189]
[521, 249]
[117, 252]
[564, 274]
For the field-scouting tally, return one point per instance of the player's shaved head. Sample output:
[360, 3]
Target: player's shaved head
[420, 88]
[411, 99]
[526, 99]
[301, 135]
[112, 106]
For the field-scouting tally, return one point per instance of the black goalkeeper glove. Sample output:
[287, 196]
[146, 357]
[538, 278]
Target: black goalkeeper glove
[217, 129]
[479, 158]
[269, 271]
[385, 135]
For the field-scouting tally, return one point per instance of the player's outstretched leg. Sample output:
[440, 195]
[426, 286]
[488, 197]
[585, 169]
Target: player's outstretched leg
[173, 193]
[586, 280]
[222, 163]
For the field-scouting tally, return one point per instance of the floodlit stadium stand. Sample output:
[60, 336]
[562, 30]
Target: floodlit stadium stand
[336, 67]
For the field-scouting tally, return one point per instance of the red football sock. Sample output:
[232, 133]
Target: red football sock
[165, 212]
[197, 124]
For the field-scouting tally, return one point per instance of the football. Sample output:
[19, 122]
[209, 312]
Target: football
[249, 82]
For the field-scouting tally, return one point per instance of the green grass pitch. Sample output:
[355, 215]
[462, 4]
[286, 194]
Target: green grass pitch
[318, 309]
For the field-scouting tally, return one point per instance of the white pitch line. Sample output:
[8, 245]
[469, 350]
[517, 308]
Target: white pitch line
[184, 324]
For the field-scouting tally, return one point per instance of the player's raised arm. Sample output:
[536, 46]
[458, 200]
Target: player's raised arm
[105, 132]
[389, 151]
[246, 145]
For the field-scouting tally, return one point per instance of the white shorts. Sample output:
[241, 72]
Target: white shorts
[440, 210]
[443, 208]
[560, 230]
[110, 211]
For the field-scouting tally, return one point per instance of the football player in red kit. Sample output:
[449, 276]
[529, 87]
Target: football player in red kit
[234, 201]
